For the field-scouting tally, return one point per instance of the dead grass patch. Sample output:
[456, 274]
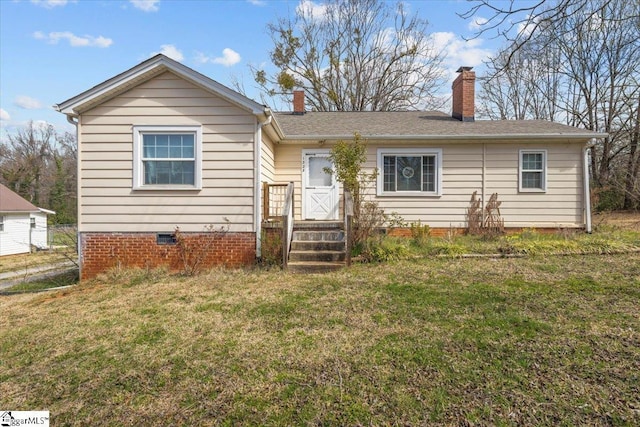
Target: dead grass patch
[626, 220]
[22, 262]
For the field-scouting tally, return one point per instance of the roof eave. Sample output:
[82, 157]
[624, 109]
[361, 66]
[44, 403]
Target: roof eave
[274, 128]
[19, 211]
[25, 211]
[519, 136]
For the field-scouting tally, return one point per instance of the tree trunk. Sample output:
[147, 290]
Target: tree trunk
[632, 194]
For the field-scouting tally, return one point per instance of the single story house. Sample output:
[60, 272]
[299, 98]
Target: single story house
[162, 146]
[23, 226]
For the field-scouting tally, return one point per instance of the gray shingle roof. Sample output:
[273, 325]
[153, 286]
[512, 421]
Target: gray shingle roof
[417, 125]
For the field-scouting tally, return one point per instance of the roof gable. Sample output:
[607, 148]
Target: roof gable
[144, 72]
[12, 202]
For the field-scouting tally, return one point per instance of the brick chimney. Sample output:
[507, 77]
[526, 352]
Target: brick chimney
[464, 95]
[298, 102]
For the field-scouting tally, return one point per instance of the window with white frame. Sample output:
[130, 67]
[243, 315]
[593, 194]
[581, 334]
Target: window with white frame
[533, 170]
[410, 172]
[32, 222]
[1, 223]
[167, 157]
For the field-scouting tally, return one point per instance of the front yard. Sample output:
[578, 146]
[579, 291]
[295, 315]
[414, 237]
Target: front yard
[541, 340]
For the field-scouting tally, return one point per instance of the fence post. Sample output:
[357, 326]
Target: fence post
[265, 200]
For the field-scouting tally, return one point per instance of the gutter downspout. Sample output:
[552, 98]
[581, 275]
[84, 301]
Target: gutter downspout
[587, 191]
[75, 123]
[257, 191]
[484, 176]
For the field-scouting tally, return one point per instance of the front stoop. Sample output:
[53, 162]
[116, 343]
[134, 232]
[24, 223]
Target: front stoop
[317, 247]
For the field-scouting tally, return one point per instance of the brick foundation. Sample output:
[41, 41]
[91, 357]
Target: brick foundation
[102, 251]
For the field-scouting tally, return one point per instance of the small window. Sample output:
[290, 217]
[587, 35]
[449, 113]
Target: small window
[1, 223]
[33, 222]
[410, 172]
[533, 170]
[167, 157]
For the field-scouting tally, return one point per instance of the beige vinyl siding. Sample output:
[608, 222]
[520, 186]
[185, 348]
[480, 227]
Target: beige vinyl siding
[267, 167]
[561, 205]
[107, 200]
[462, 174]
[439, 210]
[268, 171]
[288, 164]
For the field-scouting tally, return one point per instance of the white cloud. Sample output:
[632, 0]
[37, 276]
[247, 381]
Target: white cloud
[477, 23]
[4, 115]
[525, 28]
[460, 52]
[171, 51]
[257, 2]
[27, 102]
[229, 57]
[50, 3]
[145, 5]
[311, 9]
[74, 41]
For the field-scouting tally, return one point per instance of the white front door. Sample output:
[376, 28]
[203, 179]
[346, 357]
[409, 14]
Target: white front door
[320, 193]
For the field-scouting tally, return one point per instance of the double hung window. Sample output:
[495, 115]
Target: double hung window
[167, 157]
[533, 170]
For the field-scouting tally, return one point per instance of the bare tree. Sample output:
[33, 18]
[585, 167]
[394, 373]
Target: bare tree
[354, 55]
[601, 58]
[62, 193]
[585, 73]
[25, 159]
[519, 23]
[527, 88]
[633, 184]
[40, 165]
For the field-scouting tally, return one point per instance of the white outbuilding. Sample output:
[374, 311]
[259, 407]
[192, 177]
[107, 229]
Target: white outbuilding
[23, 226]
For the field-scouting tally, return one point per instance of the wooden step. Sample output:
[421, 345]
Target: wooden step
[317, 225]
[317, 245]
[318, 256]
[318, 235]
[314, 266]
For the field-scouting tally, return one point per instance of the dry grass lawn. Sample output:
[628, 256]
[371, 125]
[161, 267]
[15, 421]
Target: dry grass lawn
[625, 220]
[532, 341]
[23, 262]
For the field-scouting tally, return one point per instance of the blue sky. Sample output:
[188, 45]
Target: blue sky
[51, 50]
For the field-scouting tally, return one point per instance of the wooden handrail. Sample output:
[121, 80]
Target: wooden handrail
[348, 225]
[287, 225]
